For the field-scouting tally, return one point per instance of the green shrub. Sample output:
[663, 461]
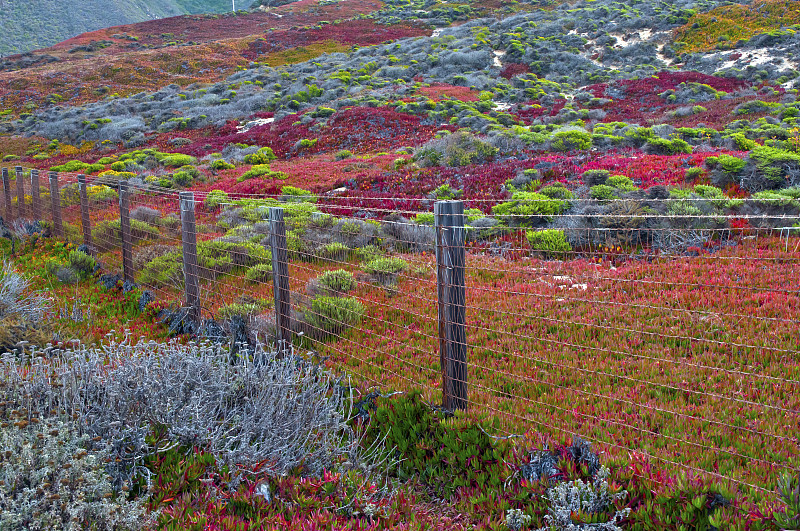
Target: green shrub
[118, 166]
[683, 213]
[182, 178]
[473, 214]
[669, 147]
[729, 163]
[323, 112]
[386, 268]
[100, 192]
[261, 170]
[742, 142]
[549, 242]
[333, 315]
[343, 154]
[76, 166]
[621, 183]
[368, 253]
[773, 162]
[793, 192]
[595, 177]
[527, 207]
[773, 198]
[424, 218]
[603, 192]
[221, 164]
[174, 160]
[264, 155]
[708, 192]
[556, 191]
[215, 198]
[444, 192]
[458, 149]
[82, 263]
[337, 281]
[692, 173]
[291, 193]
[238, 309]
[259, 273]
[336, 251]
[350, 229]
[571, 140]
[308, 142]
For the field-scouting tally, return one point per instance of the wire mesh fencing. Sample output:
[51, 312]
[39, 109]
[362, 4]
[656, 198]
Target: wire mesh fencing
[661, 328]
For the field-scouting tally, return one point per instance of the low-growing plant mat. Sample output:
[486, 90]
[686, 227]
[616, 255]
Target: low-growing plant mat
[688, 362]
[728, 24]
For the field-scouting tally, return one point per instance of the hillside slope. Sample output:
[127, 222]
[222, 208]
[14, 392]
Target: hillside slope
[40, 23]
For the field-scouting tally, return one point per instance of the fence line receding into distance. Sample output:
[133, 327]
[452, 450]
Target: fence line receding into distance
[667, 337]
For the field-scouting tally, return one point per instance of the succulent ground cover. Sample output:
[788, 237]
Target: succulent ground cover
[631, 182]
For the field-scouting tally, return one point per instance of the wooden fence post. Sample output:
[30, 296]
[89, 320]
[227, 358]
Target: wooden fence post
[55, 206]
[20, 192]
[7, 194]
[189, 239]
[451, 290]
[125, 229]
[280, 278]
[85, 221]
[36, 196]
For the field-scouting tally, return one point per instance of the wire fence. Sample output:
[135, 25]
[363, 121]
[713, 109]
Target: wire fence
[660, 334]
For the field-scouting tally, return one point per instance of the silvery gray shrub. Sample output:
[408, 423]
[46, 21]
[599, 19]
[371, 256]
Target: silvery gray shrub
[49, 480]
[15, 298]
[578, 496]
[281, 412]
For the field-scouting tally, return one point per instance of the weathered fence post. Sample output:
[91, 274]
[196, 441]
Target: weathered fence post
[451, 290]
[280, 277]
[125, 230]
[20, 192]
[55, 206]
[189, 239]
[85, 221]
[7, 194]
[36, 198]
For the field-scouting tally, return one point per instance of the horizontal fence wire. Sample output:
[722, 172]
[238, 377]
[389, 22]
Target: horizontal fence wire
[669, 337]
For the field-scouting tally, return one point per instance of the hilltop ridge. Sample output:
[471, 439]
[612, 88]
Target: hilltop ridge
[40, 23]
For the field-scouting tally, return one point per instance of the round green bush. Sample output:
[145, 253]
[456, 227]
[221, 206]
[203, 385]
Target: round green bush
[549, 242]
[215, 198]
[259, 273]
[337, 281]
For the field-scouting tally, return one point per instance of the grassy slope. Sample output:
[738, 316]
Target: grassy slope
[41, 23]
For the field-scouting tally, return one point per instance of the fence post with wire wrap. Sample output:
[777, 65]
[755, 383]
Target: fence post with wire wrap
[36, 198]
[125, 229]
[85, 221]
[7, 194]
[280, 277]
[20, 192]
[189, 240]
[55, 205]
[451, 290]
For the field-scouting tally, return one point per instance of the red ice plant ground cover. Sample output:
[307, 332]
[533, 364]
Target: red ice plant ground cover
[442, 91]
[682, 360]
[640, 100]
[351, 32]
